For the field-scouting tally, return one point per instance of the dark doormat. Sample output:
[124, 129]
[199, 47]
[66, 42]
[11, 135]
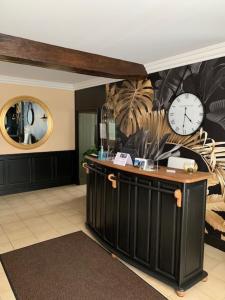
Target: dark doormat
[72, 267]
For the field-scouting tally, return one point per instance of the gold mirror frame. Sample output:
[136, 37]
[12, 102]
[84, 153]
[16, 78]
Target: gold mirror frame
[5, 134]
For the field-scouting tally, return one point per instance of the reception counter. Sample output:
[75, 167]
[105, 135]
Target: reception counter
[153, 220]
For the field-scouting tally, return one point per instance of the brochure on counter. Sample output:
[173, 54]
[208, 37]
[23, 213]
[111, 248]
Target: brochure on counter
[123, 159]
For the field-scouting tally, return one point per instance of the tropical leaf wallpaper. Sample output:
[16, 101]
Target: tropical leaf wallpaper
[142, 105]
[130, 100]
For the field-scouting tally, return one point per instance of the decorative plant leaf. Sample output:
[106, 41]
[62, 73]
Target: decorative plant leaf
[215, 220]
[138, 142]
[135, 99]
[211, 78]
[112, 96]
[217, 113]
[172, 152]
[162, 143]
[169, 86]
[195, 68]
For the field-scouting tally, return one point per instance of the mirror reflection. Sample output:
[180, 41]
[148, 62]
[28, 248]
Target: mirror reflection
[27, 121]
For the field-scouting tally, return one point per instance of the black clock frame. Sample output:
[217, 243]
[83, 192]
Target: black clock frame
[204, 113]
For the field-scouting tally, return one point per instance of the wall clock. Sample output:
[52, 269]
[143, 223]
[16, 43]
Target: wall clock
[186, 114]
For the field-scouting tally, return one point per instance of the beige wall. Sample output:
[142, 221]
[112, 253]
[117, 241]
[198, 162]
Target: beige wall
[61, 105]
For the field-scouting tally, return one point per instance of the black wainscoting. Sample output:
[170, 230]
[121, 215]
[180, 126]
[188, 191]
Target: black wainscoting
[32, 171]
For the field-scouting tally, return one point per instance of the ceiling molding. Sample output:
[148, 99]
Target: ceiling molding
[190, 57]
[56, 85]
[93, 82]
[34, 82]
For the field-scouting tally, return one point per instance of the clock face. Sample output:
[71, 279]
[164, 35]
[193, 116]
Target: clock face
[185, 114]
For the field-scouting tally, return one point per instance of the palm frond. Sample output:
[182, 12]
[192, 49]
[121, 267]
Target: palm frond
[215, 220]
[130, 102]
[216, 113]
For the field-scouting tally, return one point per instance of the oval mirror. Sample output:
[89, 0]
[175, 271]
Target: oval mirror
[25, 122]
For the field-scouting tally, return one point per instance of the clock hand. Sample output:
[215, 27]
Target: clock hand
[184, 115]
[188, 118]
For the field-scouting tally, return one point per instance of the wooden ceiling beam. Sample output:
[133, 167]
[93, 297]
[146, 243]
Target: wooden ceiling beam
[23, 51]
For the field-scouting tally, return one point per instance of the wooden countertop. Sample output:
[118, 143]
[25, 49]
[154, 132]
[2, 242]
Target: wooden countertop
[179, 176]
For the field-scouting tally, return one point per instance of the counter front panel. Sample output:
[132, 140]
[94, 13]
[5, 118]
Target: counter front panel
[153, 223]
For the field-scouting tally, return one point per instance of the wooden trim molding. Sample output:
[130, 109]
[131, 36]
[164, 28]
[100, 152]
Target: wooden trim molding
[24, 51]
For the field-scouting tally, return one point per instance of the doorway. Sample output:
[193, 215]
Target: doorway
[87, 137]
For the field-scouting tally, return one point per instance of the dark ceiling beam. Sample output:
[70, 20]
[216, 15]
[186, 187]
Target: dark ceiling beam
[23, 51]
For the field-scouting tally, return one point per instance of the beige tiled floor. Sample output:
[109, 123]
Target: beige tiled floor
[33, 217]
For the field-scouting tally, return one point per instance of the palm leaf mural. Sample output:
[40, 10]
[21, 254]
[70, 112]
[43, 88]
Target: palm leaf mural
[211, 78]
[112, 96]
[169, 86]
[131, 102]
[217, 113]
[214, 205]
[157, 121]
[133, 110]
[212, 153]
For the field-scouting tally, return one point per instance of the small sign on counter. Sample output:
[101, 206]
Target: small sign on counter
[122, 159]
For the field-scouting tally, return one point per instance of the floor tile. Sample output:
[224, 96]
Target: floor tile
[32, 213]
[5, 247]
[219, 272]
[214, 253]
[24, 242]
[36, 221]
[19, 234]
[3, 238]
[9, 218]
[14, 226]
[214, 287]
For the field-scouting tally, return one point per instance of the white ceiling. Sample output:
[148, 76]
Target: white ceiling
[142, 31]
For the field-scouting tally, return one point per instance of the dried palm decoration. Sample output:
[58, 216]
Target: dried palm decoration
[131, 101]
[213, 154]
[215, 204]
